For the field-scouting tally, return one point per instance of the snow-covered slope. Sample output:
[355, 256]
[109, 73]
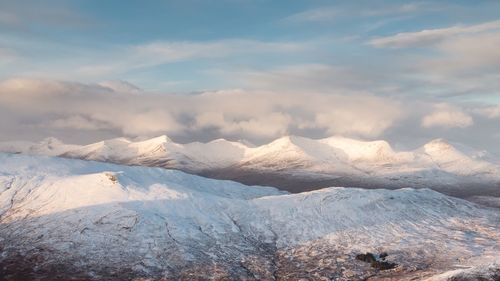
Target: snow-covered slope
[297, 164]
[48, 146]
[77, 219]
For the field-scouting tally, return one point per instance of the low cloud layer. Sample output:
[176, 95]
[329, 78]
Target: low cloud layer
[254, 115]
[77, 112]
[447, 117]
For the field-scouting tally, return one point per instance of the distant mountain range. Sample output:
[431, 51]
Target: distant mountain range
[67, 219]
[299, 164]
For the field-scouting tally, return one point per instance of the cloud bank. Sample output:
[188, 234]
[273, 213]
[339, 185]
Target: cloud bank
[448, 117]
[254, 115]
[32, 109]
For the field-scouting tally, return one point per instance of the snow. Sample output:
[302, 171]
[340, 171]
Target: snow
[157, 220]
[356, 150]
[450, 159]
[217, 153]
[437, 163]
[483, 272]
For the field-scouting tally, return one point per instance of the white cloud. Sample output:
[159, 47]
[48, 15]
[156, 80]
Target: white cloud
[268, 125]
[365, 121]
[467, 53]
[253, 115]
[148, 123]
[329, 13]
[51, 59]
[431, 36]
[314, 15]
[81, 113]
[464, 60]
[77, 122]
[164, 52]
[490, 112]
[305, 78]
[447, 116]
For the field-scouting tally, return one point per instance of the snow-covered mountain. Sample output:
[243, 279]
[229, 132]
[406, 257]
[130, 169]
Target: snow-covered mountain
[66, 219]
[298, 164]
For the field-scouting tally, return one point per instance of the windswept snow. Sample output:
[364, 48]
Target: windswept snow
[97, 220]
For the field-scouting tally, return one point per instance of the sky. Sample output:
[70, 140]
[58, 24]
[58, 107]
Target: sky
[254, 70]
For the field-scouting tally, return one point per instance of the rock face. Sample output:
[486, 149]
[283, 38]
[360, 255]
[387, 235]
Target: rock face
[63, 219]
[368, 257]
[377, 262]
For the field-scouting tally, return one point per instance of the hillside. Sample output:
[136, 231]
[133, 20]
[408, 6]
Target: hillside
[91, 220]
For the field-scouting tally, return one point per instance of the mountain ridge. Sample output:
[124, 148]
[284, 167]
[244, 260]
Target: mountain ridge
[297, 163]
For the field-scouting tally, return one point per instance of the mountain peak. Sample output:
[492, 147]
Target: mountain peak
[119, 140]
[222, 141]
[153, 145]
[159, 139]
[438, 144]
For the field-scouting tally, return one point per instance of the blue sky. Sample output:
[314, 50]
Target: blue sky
[95, 40]
[406, 71]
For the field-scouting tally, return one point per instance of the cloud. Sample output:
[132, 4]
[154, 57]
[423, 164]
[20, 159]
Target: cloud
[330, 13]
[462, 65]
[446, 116]
[431, 36]
[146, 123]
[85, 112]
[490, 112]
[468, 54]
[238, 114]
[7, 55]
[21, 88]
[400, 9]
[60, 61]
[58, 14]
[157, 53]
[314, 15]
[77, 122]
[373, 115]
[269, 125]
[462, 60]
[305, 78]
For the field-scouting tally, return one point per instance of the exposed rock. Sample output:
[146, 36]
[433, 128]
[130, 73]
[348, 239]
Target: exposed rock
[112, 177]
[368, 257]
[383, 255]
[380, 263]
